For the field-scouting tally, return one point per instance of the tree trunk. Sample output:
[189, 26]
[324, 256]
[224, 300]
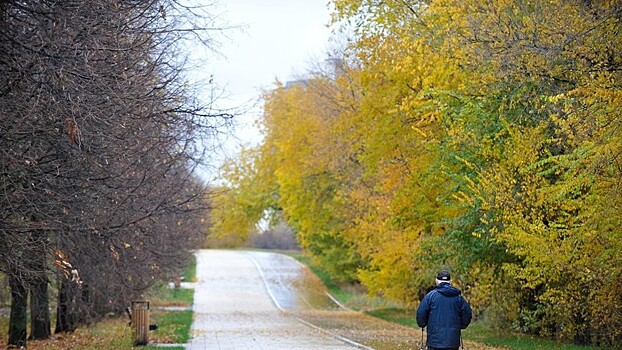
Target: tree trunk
[18, 319]
[67, 314]
[40, 324]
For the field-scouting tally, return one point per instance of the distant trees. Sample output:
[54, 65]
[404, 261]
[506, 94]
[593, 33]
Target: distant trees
[100, 137]
[482, 137]
[280, 236]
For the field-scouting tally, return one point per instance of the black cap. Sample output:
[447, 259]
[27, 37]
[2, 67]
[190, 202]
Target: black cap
[443, 275]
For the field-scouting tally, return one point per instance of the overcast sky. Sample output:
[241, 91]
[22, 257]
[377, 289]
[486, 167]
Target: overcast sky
[277, 39]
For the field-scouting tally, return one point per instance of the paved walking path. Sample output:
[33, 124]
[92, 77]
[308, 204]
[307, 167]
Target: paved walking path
[233, 309]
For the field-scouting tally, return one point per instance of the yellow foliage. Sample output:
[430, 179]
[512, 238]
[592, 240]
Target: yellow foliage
[479, 136]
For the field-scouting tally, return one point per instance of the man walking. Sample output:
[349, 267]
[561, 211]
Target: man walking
[445, 312]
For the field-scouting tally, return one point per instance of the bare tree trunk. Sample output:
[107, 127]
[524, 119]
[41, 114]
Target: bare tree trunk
[40, 324]
[67, 313]
[19, 306]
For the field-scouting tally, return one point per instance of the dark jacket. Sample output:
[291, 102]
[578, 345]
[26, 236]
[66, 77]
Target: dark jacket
[445, 312]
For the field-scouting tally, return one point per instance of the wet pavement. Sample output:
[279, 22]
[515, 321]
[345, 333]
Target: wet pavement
[262, 300]
[235, 309]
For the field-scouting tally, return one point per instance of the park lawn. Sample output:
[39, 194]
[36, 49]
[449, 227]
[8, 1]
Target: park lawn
[173, 326]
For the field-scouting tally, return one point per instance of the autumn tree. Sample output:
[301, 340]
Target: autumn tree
[248, 196]
[533, 185]
[481, 137]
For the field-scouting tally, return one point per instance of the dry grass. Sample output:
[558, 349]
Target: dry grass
[111, 334]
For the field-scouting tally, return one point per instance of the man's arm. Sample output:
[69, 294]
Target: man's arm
[465, 314]
[423, 311]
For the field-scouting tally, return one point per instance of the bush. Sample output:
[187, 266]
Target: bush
[280, 236]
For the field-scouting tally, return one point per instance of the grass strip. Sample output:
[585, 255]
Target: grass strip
[173, 326]
[164, 296]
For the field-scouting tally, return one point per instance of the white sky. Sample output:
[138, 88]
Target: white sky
[277, 39]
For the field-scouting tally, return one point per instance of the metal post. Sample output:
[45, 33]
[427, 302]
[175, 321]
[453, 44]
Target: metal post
[140, 322]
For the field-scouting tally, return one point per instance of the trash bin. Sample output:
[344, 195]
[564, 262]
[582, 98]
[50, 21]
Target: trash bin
[140, 322]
